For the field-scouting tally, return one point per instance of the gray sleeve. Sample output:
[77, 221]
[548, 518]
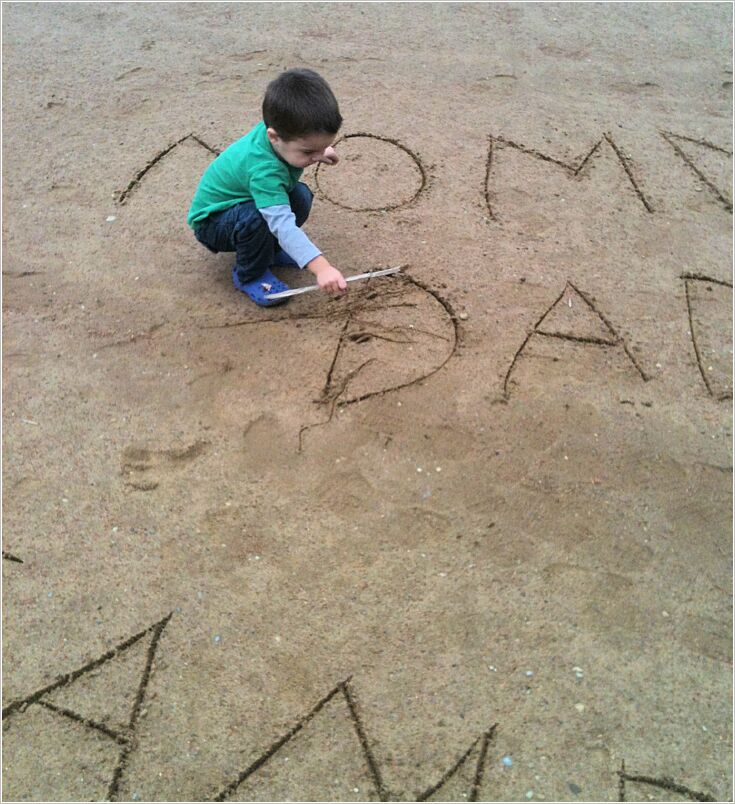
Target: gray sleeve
[282, 223]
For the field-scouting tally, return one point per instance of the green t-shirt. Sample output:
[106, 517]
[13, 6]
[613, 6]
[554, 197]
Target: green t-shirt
[249, 170]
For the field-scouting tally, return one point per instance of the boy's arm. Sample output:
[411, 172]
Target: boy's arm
[282, 224]
[327, 276]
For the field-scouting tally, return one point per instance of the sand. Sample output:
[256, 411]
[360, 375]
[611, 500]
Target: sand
[462, 534]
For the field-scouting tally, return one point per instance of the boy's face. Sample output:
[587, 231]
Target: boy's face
[304, 151]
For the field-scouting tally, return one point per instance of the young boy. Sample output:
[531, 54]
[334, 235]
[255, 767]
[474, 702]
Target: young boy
[250, 199]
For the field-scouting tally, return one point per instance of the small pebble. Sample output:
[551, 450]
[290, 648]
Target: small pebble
[507, 761]
[216, 638]
[579, 707]
[529, 794]
[463, 316]
[136, 796]
[575, 788]
[110, 219]
[529, 673]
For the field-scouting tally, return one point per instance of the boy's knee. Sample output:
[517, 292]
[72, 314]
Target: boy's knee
[302, 195]
[304, 190]
[301, 198]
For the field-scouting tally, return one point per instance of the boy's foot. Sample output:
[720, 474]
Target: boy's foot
[258, 288]
[283, 259]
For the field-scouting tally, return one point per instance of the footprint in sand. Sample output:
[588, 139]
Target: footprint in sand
[142, 467]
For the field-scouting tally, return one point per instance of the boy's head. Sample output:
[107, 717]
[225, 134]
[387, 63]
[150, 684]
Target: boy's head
[301, 115]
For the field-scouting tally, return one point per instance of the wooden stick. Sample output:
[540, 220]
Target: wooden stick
[297, 291]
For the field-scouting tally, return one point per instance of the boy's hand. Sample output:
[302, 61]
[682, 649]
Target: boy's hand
[330, 156]
[327, 276]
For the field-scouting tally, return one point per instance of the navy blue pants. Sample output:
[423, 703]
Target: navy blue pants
[242, 229]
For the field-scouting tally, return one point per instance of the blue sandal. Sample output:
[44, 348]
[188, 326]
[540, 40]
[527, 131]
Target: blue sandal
[259, 288]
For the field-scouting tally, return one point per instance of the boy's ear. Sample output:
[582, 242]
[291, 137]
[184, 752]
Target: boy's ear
[272, 135]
